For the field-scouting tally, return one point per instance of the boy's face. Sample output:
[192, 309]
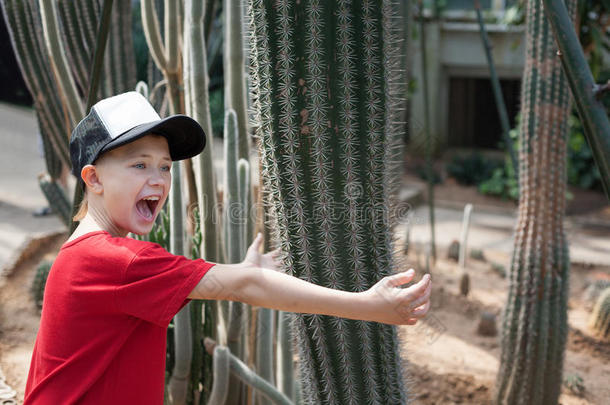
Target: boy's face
[135, 181]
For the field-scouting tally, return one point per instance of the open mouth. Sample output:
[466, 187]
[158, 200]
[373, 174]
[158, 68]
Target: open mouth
[147, 206]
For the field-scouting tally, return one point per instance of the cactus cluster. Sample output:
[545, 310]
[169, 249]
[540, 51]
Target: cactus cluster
[600, 317]
[534, 327]
[53, 44]
[325, 109]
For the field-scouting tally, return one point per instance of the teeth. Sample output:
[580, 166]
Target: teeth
[152, 198]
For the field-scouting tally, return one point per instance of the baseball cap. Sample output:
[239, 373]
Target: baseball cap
[121, 119]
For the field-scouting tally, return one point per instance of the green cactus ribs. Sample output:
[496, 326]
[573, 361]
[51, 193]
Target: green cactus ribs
[534, 329]
[324, 105]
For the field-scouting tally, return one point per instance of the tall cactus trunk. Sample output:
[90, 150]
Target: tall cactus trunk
[535, 319]
[325, 101]
[234, 68]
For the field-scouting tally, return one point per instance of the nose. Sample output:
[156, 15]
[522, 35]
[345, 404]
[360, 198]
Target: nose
[157, 178]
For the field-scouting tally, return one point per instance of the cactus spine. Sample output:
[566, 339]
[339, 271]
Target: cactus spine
[600, 318]
[535, 320]
[326, 108]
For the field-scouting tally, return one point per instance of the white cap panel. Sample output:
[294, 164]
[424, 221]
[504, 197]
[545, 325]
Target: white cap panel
[124, 112]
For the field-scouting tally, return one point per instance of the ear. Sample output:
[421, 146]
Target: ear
[90, 177]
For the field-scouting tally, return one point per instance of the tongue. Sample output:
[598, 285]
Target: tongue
[144, 209]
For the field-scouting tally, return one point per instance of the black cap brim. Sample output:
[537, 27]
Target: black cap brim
[184, 135]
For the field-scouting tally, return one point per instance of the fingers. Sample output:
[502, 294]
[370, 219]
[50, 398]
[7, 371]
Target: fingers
[401, 278]
[419, 288]
[420, 312]
[422, 299]
[256, 244]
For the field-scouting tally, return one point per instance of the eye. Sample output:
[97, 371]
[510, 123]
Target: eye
[139, 166]
[166, 168]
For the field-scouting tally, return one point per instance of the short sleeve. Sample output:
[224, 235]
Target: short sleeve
[156, 284]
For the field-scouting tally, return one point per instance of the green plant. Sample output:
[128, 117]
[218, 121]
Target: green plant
[56, 196]
[39, 282]
[472, 169]
[599, 321]
[534, 327]
[325, 115]
[582, 171]
[502, 183]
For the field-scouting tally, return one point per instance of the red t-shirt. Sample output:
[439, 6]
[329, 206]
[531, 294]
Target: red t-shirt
[107, 304]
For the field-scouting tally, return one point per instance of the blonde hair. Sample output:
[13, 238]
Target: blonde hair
[82, 209]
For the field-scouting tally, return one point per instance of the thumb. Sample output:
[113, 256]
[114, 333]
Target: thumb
[401, 278]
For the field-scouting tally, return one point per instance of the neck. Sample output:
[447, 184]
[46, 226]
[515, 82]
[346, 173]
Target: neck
[94, 221]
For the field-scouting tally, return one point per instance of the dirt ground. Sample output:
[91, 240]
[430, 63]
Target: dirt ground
[449, 362]
[452, 364]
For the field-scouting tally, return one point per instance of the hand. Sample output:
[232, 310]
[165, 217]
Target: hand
[400, 306]
[268, 260]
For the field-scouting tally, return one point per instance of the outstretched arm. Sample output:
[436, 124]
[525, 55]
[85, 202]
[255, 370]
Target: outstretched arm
[257, 282]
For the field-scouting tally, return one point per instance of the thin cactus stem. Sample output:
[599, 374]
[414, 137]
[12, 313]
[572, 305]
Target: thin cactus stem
[233, 236]
[220, 387]
[245, 374]
[429, 162]
[590, 108]
[100, 47]
[198, 107]
[57, 54]
[234, 68]
[264, 346]
[182, 326]
[284, 360]
[464, 236]
[497, 90]
[150, 24]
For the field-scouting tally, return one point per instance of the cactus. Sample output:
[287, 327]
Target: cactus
[56, 95]
[39, 282]
[325, 105]
[234, 66]
[534, 327]
[220, 389]
[59, 61]
[285, 362]
[600, 318]
[245, 374]
[234, 239]
[58, 201]
[182, 326]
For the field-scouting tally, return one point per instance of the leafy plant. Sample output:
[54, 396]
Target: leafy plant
[502, 183]
[582, 171]
[472, 169]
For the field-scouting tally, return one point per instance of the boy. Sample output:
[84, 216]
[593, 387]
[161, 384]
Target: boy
[110, 298]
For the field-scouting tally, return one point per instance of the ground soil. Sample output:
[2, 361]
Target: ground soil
[449, 363]
[452, 364]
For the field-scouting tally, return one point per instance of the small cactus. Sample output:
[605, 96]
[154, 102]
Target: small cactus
[464, 284]
[487, 324]
[599, 321]
[58, 201]
[39, 282]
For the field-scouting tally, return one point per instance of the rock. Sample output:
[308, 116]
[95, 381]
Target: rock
[487, 324]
